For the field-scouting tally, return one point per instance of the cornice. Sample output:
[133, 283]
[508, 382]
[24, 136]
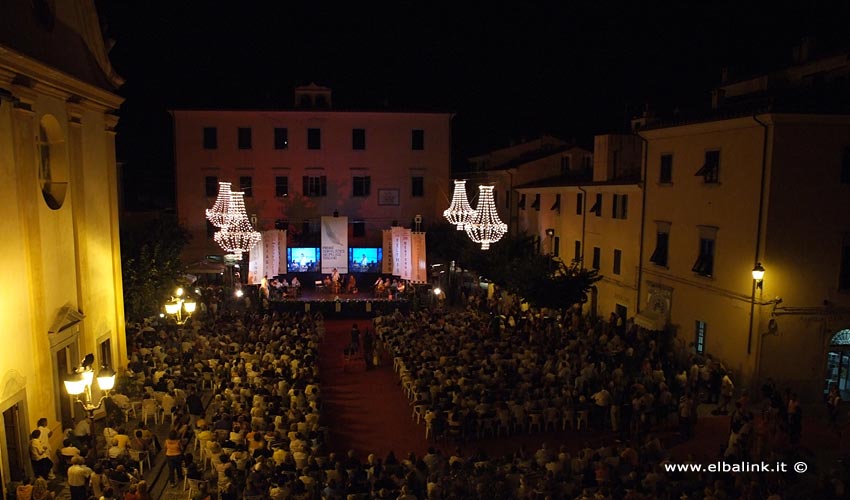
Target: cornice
[54, 82]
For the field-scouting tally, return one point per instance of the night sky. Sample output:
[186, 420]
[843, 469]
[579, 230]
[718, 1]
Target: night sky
[508, 70]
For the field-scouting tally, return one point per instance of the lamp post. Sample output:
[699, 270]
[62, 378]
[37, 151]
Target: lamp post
[180, 308]
[79, 384]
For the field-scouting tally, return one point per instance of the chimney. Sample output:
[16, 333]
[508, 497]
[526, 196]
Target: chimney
[717, 96]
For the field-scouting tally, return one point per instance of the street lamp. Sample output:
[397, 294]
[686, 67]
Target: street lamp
[758, 275]
[79, 384]
[177, 306]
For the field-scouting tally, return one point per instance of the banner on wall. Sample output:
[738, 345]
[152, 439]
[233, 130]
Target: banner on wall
[417, 250]
[387, 263]
[334, 244]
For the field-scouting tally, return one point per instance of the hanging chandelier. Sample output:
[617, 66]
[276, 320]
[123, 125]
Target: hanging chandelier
[237, 236]
[459, 212]
[218, 214]
[485, 226]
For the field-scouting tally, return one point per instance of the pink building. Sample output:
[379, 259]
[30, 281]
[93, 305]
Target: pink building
[375, 167]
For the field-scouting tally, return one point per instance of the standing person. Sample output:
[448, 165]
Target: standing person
[46, 433]
[368, 345]
[195, 406]
[78, 477]
[355, 337]
[685, 420]
[42, 465]
[833, 406]
[174, 455]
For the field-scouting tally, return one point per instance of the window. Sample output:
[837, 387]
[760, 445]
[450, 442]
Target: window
[536, 204]
[579, 203]
[557, 250]
[106, 353]
[314, 138]
[417, 186]
[565, 165]
[844, 273]
[845, 166]
[246, 185]
[358, 138]
[281, 186]
[587, 162]
[210, 138]
[699, 337]
[211, 186]
[704, 265]
[711, 168]
[315, 186]
[358, 229]
[244, 137]
[557, 204]
[596, 257]
[662, 242]
[417, 139]
[577, 251]
[621, 203]
[361, 185]
[666, 174]
[521, 203]
[597, 205]
[618, 255]
[281, 138]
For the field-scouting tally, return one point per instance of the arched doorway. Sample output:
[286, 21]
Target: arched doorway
[838, 363]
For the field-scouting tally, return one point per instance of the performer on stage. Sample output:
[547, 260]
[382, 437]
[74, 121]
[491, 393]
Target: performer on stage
[351, 287]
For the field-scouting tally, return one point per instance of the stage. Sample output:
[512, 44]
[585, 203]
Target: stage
[337, 306]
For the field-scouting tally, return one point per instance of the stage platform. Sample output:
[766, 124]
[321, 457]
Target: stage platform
[338, 306]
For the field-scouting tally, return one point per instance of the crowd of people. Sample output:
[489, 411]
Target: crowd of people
[495, 368]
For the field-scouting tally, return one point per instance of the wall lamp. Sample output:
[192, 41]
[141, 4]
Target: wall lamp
[758, 275]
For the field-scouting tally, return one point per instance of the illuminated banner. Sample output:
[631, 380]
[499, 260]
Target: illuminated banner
[396, 253]
[387, 264]
[420, 267]
[334, 244]
[406, 270]
[267, 258]
[255, 264]
[274, 245]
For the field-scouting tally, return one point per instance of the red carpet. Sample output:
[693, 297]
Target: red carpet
[366, 411]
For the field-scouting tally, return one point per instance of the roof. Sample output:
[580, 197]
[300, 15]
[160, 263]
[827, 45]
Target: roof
[577, 180]
[254, 109]
[63, 35]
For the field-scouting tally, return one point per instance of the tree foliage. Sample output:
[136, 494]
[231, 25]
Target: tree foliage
[515, 264]
[150, 264]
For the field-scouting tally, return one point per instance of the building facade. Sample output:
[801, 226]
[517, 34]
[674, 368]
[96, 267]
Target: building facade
[546, 157]
[62, 263]
[593, 219]
[376, 168]
[724, 196]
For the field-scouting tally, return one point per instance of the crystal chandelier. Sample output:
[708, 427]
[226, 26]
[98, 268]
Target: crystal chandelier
[218, 214]
[237, 236]
[485, 226]
[459, 212]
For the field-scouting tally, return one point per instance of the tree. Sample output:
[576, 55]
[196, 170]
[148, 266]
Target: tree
[150, 263]
[515, 264]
